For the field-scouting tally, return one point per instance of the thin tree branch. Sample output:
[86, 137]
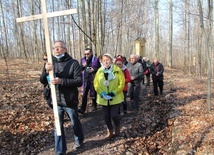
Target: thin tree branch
[81, 29]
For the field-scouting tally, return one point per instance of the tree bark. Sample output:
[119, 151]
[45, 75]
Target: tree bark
[156, 29]
[22, 32]
[206, 43]
[5, 30]
[169, 60]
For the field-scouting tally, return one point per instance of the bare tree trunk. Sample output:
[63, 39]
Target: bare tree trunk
[4, 47]
[41, 34]
[79, 34]
[156, 28]
[120, 31]
[208, 47]
[102, 25]
[22, 32]
[84, 21]
[35, 45]
[200, 43]
[2, 50]
[169, 60]
[206, 43]
[96, 28]
[63, 25]
[210, 14]
[185, 33]
[69, 26]
[53, 20]
[5, 31]
[73, 46]
[16, 34]
[58, 22]
[90, 23]
[188, 38]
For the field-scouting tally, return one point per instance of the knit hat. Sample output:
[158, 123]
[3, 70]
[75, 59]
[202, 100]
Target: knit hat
[109, 55]
[119, 59]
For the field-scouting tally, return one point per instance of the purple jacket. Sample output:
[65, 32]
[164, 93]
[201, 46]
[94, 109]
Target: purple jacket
[87, 77]
[91, 62]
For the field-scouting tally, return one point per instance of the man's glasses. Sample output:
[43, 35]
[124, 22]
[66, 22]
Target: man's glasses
[45, 59]
[57, 47]
[87, 53]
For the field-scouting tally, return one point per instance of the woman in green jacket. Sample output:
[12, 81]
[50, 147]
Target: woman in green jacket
[109, 82]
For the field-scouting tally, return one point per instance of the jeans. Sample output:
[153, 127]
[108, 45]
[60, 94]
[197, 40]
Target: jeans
[60, 141]
[134, 91]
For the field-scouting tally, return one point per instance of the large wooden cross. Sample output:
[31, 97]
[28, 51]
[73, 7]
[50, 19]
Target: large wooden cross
[45, 17]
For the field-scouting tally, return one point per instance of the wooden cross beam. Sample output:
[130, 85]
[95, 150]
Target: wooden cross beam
[45, 17]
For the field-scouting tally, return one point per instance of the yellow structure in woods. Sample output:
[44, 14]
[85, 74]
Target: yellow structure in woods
[140, 46]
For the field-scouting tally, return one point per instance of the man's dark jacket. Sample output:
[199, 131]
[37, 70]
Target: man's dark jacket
[69, 71]
[157, 69]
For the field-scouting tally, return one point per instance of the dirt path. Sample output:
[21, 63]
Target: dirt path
[176, 123]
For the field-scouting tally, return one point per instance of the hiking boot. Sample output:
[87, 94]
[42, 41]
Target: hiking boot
[117, 130]
[109, 134]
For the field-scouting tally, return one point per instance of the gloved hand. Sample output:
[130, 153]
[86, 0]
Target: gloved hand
[112, 94]
[102, 93]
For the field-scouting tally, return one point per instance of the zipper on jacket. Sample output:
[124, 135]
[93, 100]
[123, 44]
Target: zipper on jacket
[107, 93]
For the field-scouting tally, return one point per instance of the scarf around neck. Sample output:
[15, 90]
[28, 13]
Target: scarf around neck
[110, 72]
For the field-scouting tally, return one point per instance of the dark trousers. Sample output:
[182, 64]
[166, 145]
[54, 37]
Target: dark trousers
[158, 83]
[134, 91]
[111, 112]
[143, 80]
[124, 103]
[148, 79]
[85, 98]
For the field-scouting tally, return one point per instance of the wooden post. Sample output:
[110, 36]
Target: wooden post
[45, 17]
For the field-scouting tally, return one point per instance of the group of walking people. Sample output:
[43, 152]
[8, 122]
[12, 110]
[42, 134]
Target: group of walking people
[106, 78]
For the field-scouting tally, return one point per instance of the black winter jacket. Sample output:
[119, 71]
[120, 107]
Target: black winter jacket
[158, 69]
[69, 71]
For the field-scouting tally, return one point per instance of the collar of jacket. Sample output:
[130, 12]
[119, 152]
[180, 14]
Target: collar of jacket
[64, 58]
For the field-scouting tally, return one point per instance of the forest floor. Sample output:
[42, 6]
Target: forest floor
[175, 123]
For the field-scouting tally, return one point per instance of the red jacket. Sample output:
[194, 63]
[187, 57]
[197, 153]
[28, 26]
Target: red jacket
[127, 78]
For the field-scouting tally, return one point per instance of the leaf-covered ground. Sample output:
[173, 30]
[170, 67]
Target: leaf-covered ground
[175, 123]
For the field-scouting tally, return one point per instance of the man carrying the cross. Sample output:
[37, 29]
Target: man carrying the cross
[67, 78]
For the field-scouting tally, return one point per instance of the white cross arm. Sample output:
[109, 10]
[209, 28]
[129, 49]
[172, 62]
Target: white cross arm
[51, 14]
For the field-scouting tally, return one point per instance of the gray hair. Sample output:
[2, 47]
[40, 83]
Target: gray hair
[133, 55]
[63, 43]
